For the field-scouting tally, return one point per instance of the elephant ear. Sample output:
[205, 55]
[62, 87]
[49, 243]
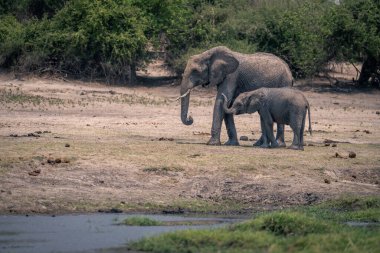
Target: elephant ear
[221, 64]
[255, 101]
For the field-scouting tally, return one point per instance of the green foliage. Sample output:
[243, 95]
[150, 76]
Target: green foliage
[349, 209]
[286, 224]
[355, 29]
[11, 40]
[108, 38]
[140, 221]
[297, 35]
[355, 36]
[315, 229]
[25, 9]
[88, 38]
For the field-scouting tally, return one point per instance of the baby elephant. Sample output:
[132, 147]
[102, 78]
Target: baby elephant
[280, 105]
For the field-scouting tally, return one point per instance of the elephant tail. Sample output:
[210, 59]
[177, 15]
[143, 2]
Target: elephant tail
[308, 112]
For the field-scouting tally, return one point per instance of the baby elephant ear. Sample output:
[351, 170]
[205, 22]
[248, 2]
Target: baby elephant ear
[222, 64]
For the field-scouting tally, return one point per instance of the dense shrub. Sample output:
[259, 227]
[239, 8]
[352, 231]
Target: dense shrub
[297, 35]
[355, 36]
[108, 39]
[11, 40]
[90, 38]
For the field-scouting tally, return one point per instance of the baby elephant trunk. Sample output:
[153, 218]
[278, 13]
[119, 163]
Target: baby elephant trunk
[225, 106]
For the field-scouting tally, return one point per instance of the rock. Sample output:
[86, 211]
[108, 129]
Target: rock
[57, 160]
[34, 172]
[244, 138]
[327, 181]
[334, 145]
[165, 139]
[337, 155]
[112, 210]
[51, 160]
[179, 210]
[351, 154]
[33, 135]
[327, 144]
[67, 145]
[367, 131]
[310, 144]
[378, 112]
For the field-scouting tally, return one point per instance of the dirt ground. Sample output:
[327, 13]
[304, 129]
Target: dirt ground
[71, 146]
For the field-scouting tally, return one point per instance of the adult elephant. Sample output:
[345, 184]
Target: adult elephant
[232, 73]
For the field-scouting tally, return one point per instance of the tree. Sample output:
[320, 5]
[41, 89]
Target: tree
[355, 36]
[90, 37]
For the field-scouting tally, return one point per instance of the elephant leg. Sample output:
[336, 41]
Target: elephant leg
[265, 128]
[216, 124]
[260, 141]
[231, 130]
[296, 137]
[280, 135]
[219, 115]
[273, 142]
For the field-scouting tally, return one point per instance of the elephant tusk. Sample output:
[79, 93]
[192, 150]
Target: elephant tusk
[184, 95]
[225, 98]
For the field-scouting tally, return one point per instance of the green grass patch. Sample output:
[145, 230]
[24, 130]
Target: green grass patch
[145, 221]
[140, 221]
[348, 209]
[319, 228]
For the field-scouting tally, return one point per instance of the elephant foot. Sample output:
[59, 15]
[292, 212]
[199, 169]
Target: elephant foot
[274, 145]
[281, 143]
[232, 143]
[214, 142]
[295, 147]
[264, 145]
[258, 143]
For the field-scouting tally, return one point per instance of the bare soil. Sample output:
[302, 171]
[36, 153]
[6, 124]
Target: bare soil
[71, 146]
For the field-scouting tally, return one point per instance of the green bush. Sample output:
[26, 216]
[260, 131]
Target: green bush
[355, 36]
[11, 40]
[297, 35]
[108, 39]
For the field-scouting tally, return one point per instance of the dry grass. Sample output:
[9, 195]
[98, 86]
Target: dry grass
[126, 148]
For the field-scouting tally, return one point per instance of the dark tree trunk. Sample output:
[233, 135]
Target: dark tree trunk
[132, 74]
[369, 69]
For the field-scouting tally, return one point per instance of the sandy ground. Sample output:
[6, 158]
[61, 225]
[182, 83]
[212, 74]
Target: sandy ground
[71, 146]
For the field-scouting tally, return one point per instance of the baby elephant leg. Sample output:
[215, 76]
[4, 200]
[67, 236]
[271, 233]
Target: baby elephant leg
[264, 142]
[263, 138]
[267, 130]
[270, 134]
[280, 135]
[296, 126]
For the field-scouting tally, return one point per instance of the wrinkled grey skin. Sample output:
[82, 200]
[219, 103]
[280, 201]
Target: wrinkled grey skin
[283, 106]
[233, 73]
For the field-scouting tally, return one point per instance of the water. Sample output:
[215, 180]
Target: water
[81, 233]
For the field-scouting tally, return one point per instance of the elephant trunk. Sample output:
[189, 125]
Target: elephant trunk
[225, 106]
[185, 100]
